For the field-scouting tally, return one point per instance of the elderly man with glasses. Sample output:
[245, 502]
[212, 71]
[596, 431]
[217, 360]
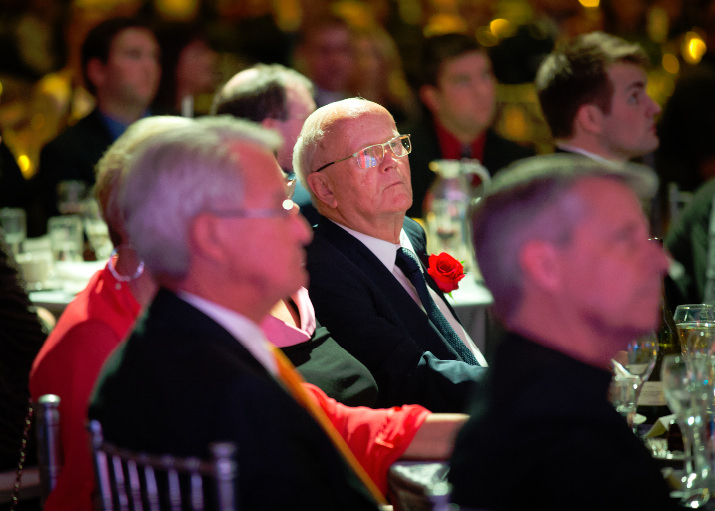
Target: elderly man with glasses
[368, 279]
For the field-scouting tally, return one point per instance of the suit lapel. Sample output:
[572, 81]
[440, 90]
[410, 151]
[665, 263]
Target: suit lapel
[407, 311]
[415, 233]
[187, 322]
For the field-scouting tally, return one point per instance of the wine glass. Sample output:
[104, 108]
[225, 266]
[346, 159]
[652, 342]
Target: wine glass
[682, 394]
[632, 371]
[622, 392]
[642, 355]
[696, 327]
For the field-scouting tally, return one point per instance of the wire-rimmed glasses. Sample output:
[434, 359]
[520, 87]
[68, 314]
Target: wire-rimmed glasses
[372, 156]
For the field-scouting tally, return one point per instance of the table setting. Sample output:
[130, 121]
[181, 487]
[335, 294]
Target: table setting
[56, 266]
[684, 442]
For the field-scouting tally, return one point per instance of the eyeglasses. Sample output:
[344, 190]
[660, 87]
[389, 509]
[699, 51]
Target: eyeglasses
[285, 210]
[373, 155]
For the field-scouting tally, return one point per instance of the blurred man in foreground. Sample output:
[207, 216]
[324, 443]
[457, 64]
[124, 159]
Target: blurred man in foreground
[564, 248]
[206, 209]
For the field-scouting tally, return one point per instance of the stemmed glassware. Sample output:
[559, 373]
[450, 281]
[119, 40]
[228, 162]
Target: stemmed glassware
[685, 385]
[696, 327]
[629, 377]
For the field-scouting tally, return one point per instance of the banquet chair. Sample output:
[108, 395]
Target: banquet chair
[49, 446]
[132, 480]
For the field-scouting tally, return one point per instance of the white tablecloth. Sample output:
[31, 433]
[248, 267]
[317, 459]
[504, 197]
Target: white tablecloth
[69, 278]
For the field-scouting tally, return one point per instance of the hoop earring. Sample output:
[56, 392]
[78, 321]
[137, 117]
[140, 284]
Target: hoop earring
[115, 273]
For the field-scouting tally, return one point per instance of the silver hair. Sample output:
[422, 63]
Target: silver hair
[111, 167]
[309, 148]
[531, 200]
[177, 174]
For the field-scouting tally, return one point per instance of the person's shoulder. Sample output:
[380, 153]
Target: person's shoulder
[705, 193]
[696, 213]
[88, 124]
[495, 141]
[327, 238]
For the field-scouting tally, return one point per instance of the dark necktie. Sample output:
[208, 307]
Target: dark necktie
[410, 266]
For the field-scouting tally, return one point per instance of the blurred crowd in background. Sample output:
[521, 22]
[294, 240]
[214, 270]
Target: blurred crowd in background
[347, 47]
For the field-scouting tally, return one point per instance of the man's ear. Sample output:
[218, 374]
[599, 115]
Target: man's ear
[428, 96]
[590, 118]
[322, 188]
[540, 264]
[206, 238]
[95, 72]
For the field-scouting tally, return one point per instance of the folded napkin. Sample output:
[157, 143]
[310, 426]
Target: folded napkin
[661, 426]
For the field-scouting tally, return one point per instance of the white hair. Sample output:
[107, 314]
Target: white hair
[111, 167]
[174, 176]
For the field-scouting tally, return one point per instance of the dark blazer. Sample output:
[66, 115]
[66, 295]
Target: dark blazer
[72, 155]
[324, 363]
[372, 316]
[182, 381]
[498, 153]
[546, 421]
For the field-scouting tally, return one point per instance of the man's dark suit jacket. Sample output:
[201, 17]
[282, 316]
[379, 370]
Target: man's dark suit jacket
[182, 381]
[498, 153]
[371, 315]
[72, 155]
[545, 420]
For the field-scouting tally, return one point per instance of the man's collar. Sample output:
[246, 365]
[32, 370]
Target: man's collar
[383, 250]
[115, 126]
[452, 149]
[240, 327]
[588, 154]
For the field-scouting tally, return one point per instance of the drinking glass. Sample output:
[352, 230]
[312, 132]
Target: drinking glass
[685, 399]
[96, 230]
[642, 355]
[14, 223]
[66, 237]
[696, 327]
[70, 195]
[623, 392]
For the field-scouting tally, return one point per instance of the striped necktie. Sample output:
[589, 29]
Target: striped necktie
[410, 266]
[292, 381]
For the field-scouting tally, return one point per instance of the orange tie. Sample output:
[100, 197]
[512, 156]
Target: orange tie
[293, 383]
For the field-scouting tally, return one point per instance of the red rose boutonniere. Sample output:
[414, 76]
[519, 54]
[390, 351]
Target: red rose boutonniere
[446, 271]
